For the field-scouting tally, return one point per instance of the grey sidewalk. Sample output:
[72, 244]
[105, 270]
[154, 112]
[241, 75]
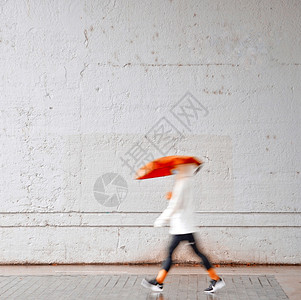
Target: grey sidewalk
[124, 282]
[129, 287]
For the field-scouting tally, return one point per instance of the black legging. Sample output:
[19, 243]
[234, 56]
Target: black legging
[176, 239]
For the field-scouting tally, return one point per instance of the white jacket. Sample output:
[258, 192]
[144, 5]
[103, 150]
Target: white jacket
[180, 211]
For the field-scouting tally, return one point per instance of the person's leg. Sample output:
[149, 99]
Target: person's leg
[216, 282]
[156, 284]
[166, 265]
[204, 258]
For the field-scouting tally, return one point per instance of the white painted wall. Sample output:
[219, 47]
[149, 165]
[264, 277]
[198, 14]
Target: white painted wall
[84, 81]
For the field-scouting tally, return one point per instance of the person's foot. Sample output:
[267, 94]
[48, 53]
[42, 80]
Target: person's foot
[215, 285]
[152, 284]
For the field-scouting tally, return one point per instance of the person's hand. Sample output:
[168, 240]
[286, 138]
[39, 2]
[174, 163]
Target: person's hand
[168, 195]
[159, 222]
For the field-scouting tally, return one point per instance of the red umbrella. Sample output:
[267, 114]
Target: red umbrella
[164, 166]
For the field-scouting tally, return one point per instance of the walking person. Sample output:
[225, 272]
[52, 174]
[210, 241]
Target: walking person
[180, 216]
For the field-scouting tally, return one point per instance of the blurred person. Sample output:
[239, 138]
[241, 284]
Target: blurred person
[179, 214]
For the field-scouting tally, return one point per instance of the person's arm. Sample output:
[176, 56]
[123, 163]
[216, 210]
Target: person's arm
[174, 204]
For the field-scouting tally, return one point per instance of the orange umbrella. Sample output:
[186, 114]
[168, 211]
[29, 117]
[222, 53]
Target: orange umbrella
[164, 166]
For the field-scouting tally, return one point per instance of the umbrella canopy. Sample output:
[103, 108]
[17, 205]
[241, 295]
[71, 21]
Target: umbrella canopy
[164, 166]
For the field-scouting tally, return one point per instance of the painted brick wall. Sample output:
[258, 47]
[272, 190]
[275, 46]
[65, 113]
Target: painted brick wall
[90, 90]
